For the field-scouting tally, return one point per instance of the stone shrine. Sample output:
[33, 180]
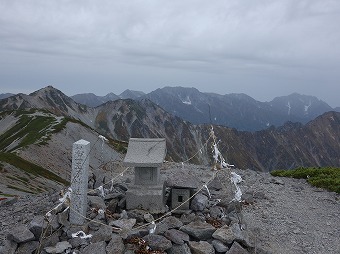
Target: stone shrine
[147, 190]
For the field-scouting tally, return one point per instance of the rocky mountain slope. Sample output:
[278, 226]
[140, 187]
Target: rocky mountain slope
[238, 111]
[288, 146]
[36, 151]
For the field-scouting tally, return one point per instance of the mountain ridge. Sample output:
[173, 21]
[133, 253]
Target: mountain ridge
[234, 110]
[313, 144]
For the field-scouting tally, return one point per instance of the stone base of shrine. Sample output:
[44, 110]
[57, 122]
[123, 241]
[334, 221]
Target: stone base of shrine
[150, 198]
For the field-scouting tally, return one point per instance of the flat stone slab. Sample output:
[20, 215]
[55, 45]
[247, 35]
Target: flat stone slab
[201, 247]
[20, 234]
[199, 230]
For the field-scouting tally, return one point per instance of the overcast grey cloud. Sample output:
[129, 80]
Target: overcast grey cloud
[263, 48]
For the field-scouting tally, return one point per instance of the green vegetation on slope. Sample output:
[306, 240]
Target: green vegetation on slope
[327, 178]
[31, 129]
[30, 168]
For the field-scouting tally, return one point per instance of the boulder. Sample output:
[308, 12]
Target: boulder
[179, 249]
[126, 224]
[157, 242]
[201, 247]
[20, 234]
[112, 205]
[236, 248]
[177, 236]
[217, 212]
[37, 225]
[60, 247]
[116, 245]
[9, 247]
[103, 234]
[219, 246]
[63, 218]
[168, 223]
[98, 248]
[229, 234]
[96, 202]
[199, 202]
[199, 230]
[29, 247]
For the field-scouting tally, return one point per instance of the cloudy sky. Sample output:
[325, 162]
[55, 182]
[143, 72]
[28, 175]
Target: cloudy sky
[263, 48]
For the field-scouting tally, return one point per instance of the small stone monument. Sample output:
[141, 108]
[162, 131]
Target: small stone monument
[79, 178]
[147, 191]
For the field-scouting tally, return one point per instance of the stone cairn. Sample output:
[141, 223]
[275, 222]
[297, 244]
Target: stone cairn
[96, 221]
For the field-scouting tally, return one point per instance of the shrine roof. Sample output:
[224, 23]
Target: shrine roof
[145, 152]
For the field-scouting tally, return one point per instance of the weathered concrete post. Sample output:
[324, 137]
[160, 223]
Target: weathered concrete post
[79, 179]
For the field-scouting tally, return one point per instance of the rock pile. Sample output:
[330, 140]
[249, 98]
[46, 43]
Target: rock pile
[213, 224]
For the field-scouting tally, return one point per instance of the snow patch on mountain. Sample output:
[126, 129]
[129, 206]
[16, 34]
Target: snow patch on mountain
[289, 107]
[186, 100]
[307, 107]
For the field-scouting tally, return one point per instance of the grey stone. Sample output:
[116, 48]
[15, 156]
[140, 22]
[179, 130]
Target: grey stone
[137, 214]
[248, 198]
[37, 225]
[112, 205]
[97, 248]
[79, 181]
[104, 233]
[176, 236]
[232, 233]
[114, 195]
[157, 242]
[168, 223]
[219, 246]
[179, 249]
[224, 234]
[187, 218]
[122, 186]
[9, 247]
[99, 178]
[94, 225]
[199, 202]
[201, 247]
[236, 248]
[97, 202]
[20, 234]
[27, 248]
[148, 217]
[217, 212]
[234, 206]
[59, 248]
[277, 181]
[51, 240]
[122, 203]
[123, 223]
[63, 218]
[199, 230]
[215, 184]
[116, 245]
[53, 221]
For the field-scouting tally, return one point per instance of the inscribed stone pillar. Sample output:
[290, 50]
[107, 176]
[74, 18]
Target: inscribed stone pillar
[79, 179]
